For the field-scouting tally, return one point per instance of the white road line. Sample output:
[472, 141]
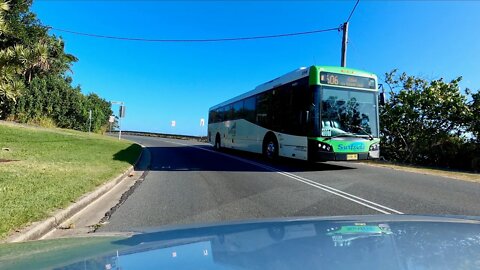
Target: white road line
[372, 205]
[335, 193]
[348, 194]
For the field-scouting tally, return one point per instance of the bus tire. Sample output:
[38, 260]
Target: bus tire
[270, 146]
[217, 144]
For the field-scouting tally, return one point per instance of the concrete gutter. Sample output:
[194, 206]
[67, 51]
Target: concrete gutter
[39, 229]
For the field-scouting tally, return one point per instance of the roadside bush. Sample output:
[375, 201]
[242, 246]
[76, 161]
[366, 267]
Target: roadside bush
[54, 98]
[428, 123]
[103, 129]
[42, 121]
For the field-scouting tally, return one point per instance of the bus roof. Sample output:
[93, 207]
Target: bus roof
[345, 70]
[293, 76]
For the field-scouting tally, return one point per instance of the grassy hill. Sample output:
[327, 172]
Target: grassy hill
[42, 170]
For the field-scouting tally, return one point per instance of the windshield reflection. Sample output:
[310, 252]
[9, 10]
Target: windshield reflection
[298, 245]
[348, 112]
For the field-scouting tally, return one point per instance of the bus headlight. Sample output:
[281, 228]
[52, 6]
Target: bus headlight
[374, 147]
[374, 151]
[324, 147]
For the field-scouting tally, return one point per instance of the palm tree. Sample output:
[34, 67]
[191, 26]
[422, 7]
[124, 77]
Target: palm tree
[11, 84]
[11, 81]
[60, 61]
[12, 89]
[35, 60]
[4, 6]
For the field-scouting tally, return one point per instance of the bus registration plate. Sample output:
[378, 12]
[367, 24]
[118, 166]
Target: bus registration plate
[352, 157]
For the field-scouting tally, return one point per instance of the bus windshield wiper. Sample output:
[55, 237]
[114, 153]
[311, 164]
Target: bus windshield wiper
[370, 137]
[346, 134]
[349, 134]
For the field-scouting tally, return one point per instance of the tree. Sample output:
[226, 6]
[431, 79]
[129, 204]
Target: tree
[11, 81]
[59, 61]
[34, 85]
[35, 61]
[474, 107]
[424, 122]
[101, 111]
[21, 25]
[4, 7]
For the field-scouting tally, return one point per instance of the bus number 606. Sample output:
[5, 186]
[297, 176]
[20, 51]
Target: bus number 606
[332, 79]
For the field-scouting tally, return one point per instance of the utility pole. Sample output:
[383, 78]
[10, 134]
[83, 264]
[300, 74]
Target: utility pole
[344, 44]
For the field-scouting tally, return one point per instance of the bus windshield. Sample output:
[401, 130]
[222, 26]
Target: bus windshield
[348, 112]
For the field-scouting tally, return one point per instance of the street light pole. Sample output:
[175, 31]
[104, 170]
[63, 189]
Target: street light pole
[119, 128]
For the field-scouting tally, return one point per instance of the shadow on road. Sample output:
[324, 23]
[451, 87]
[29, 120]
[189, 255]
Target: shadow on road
[129, 154]
[186, 158]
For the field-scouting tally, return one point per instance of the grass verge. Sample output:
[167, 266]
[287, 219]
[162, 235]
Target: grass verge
[465, 176]
[44, 170]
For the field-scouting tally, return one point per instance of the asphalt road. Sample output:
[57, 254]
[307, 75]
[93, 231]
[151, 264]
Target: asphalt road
[188, 182]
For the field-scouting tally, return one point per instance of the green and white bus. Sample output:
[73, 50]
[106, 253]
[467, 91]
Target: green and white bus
[319, 113]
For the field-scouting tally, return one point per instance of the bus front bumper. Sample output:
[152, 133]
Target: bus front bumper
[331, 156]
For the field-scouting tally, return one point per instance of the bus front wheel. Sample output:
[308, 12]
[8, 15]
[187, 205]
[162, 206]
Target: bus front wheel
[270, 147]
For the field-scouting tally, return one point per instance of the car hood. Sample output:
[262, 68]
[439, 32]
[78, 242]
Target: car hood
[373, 242]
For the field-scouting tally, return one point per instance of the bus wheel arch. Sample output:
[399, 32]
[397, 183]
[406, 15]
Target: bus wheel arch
[270, 145]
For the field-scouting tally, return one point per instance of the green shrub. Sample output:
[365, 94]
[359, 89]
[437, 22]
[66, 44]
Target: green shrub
[429, 123]
[42, 121]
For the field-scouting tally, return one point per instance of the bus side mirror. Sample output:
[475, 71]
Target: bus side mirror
[381, 99]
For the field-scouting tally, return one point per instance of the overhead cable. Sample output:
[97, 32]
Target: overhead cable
[196, 40]
[353, 10]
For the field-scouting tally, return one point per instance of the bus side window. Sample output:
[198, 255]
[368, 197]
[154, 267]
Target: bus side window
[238, 110]
[224, 114]
[263, 115]
[219, 115]
[230, 112]
[227, 113]
[211, 117]
[249, 109]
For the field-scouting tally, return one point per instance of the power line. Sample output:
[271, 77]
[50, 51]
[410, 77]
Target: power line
[196, 40]
[353, 10]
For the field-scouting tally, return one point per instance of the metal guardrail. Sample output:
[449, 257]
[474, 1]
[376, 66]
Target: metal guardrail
[162, 135]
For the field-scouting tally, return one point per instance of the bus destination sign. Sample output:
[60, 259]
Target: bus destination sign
[346, 80]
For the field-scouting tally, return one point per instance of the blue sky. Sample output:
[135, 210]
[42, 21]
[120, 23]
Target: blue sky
[161, 82]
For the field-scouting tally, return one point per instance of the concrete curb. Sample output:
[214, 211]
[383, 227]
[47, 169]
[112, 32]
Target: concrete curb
[38, 229]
